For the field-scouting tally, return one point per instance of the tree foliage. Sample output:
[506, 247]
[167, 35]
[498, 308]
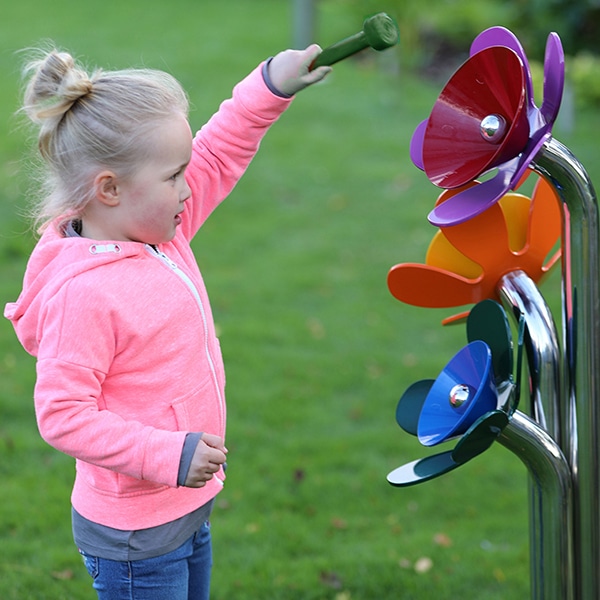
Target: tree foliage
[436, 36]
[437, 26]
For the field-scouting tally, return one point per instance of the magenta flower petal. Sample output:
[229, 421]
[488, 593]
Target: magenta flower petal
[446, 147]
[500, 36]
[457, 146]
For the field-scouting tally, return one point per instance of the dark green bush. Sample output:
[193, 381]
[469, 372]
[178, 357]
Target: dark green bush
[435, 30]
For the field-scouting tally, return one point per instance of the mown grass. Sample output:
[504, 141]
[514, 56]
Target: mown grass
[317, 350]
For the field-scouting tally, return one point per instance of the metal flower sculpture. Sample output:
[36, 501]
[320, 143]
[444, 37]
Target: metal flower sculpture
[486, 119]
[465, 262]
[473, 398]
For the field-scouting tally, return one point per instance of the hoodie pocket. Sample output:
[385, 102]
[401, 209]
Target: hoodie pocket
[199, 409]
[111, 483]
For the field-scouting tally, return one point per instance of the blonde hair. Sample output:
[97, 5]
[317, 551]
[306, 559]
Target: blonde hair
[89, 122]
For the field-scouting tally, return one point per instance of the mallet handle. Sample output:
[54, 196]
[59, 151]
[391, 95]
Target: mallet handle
[379, 32]
[342, 49]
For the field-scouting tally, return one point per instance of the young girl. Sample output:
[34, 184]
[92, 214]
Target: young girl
[130, 379]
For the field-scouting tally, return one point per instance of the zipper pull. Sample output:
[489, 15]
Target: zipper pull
[154, 250]
[170, 262]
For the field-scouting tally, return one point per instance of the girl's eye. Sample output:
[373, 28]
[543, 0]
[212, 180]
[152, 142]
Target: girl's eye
[178, 174]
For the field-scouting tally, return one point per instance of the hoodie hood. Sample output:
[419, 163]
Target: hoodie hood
[56, 260]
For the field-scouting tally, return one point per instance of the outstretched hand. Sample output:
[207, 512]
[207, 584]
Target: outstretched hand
[290, 70]
[208, 457]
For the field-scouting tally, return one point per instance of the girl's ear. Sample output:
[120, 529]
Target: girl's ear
[106, 188]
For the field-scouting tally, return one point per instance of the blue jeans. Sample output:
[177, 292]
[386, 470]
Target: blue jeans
[183, 574]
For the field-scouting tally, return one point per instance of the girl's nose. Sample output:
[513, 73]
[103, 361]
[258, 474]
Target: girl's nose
[186, 192]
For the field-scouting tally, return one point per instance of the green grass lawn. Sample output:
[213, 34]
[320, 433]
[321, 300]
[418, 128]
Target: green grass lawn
[317, 350]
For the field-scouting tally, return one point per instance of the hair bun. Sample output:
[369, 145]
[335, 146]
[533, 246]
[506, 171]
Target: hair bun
[55, 84]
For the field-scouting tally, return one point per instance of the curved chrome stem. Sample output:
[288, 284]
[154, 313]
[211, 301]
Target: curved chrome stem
[580, 417]
[551, 540]
[536, 442]
[521, 296]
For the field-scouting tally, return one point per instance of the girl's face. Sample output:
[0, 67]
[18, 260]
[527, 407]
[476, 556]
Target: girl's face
[152, 200]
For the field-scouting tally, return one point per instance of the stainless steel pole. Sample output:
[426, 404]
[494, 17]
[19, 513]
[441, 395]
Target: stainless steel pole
[551, 496]
[580, 439]
[536, 442]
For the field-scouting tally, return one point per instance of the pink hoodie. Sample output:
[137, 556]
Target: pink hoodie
[127, 357]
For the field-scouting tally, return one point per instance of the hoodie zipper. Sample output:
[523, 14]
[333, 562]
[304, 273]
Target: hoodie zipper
[190, 284]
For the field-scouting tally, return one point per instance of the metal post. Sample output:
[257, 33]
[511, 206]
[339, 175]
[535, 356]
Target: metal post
[303, 20]
[536, 442]
[551, 502]
[581, 341]
[522, 298]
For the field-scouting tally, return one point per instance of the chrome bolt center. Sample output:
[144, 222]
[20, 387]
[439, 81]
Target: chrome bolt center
[493, 128]
[459, 394]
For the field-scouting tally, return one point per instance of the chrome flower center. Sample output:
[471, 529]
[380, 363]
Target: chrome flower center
[493, 128]
[459, 394]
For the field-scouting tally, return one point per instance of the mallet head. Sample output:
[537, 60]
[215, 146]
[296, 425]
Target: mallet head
[381, 31]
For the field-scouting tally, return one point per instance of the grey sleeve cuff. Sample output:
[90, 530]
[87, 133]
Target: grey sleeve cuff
[189, 447]
[269, 83]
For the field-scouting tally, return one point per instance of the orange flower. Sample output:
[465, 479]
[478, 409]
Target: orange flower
[465, 262]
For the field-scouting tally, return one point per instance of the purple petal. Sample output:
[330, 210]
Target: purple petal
[554, 78]
[500, 36]
[533, 147]
[416, 145]
[474, 200]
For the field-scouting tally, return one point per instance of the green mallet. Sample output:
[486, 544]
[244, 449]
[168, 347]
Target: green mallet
[379, 32]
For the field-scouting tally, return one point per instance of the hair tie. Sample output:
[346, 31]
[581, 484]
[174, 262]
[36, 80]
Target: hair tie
[81, 89]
